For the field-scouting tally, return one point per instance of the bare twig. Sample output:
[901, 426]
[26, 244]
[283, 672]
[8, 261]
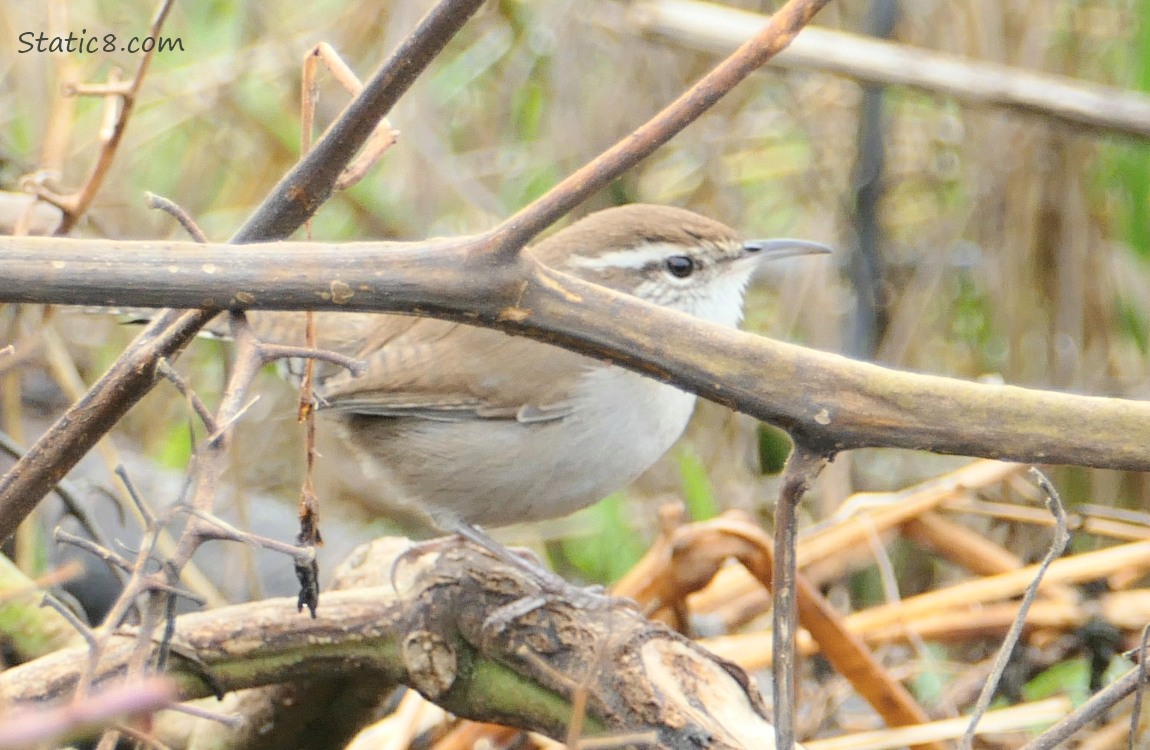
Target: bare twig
[75, 204]
[82, 425]
[93, 649]
[1088, 712]
[66, 612]
[1057, 546]
[176, 212]
[137, 500]
[198, 407]
[510, 236]
[217, 528]
[272, 352]
[1139, 693]
[115, 562]
[65, 490]
[311, 182]
[229, 720]
[382, 138]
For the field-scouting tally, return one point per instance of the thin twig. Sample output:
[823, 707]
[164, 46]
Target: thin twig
[137, 500]
[75, 204]
[161, 203]
[272, 352]
[1057, 547]
[311, 182]
[1088, 712]
[66, 612]
[1139, 692]
[233, 721]
[76, 431]
[218, 529]
[164, 368]
[114, 561]
[1085, 105]
[382, 139]
[94, 645]
[65, 490]
[783, 26]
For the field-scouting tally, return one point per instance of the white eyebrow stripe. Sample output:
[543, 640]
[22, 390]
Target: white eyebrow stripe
[640, 256]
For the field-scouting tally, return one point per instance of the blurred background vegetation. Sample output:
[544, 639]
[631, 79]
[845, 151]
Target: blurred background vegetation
[1013, 248]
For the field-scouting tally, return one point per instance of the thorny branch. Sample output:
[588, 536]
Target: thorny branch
[153, 579]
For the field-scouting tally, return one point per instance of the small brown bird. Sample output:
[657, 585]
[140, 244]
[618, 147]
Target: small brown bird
[470, 426]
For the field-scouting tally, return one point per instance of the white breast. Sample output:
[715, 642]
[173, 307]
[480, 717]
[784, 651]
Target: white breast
[636, 420]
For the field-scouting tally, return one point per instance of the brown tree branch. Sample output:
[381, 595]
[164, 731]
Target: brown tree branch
[832, 402]
[718, 29]
[472, 634]
[803, 466]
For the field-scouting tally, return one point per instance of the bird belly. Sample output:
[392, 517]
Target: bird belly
[498, 472]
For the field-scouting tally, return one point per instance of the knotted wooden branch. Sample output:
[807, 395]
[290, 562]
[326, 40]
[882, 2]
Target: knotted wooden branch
[477, 636]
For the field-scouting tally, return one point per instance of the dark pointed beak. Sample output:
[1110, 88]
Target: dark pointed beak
[783, 248]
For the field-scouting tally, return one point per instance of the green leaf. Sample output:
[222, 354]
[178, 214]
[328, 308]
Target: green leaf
[774, 447]
[610, 549]
[1070, 678]
[929, 684]
[697, 494]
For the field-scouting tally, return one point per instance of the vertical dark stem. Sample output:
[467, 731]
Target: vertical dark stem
[802, 467]
[867, 271]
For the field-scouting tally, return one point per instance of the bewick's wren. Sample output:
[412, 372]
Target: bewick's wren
[473, 426]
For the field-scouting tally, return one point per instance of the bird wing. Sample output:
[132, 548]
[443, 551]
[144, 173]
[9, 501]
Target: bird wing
[432, 369]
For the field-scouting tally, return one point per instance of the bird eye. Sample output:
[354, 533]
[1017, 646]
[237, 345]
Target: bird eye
[680, 266]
